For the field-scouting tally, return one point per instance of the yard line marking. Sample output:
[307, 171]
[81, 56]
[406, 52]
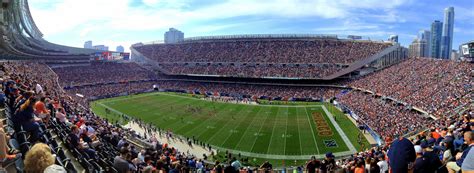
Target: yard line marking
[239, 124]
[112, 109]
[221, 109]
[225, 125]
[273, 131]
[286, 130]
[298, 127]
[260, 129]
[184, 116]
[312, 130]
[246, 130]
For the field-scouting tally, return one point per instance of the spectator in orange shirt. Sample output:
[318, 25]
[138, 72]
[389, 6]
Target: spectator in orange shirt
[435, 134]
[360, 166]
[41, 111]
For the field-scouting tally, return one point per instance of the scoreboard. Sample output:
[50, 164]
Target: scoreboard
[471, 49]
[111, 56]
[467, 51]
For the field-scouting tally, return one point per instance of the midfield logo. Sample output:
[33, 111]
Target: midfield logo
[330, 143]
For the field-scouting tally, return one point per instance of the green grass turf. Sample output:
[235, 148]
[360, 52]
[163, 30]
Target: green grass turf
[272, 130]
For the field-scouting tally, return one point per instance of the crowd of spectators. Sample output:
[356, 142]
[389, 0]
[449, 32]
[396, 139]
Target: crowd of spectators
[102, 72]
[264, 51]
[275, 58]
[434, 85]
[384, 117]
[253, 71]
[93, 140]
[444, 148]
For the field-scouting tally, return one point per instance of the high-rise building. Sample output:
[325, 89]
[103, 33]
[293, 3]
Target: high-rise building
[447, 36]
[101, 47]
[418, 48]
[436, 31]
[454, 55]
[88, 44]
[426, 35]
[120, 49]
[173, 36]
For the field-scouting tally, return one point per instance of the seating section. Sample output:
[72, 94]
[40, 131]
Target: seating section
[261, 57]
[102, 73]
[253, 71]
[436, 86]
[384, 117]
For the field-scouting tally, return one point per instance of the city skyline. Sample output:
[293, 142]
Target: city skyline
[124, 22]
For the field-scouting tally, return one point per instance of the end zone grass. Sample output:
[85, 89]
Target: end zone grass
[273, 132]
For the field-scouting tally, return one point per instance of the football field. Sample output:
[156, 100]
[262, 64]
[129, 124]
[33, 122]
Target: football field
[282, 132]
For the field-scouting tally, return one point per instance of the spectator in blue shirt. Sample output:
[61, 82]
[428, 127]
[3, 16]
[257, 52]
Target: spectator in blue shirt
[456, 166]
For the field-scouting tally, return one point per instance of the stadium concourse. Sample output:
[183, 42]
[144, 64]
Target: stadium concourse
[39, 110]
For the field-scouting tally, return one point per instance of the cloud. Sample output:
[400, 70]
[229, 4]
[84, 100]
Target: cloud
[73, 21]
[116, 14]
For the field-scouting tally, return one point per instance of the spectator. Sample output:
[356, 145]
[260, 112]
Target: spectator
[383, 165]
[456, 166]
[236, 164]
[24, 117]
[329, 164]
[75, 140]
[421, 163]
[313, 165]
[468, 164]
[359, 166]
[121, 163]
[41, 111]
[266, 166]
[402, 155]
[39, 159]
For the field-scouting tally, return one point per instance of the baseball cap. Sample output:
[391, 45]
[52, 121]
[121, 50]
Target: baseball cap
[425, 144]
[418, 149]
[329, 155]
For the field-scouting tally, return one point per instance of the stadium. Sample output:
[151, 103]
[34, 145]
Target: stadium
[229, 103]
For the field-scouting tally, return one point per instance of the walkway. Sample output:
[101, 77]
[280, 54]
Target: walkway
[181, 146]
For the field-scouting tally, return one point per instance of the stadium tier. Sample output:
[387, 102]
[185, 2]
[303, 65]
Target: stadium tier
[309, 58]
[102, 73]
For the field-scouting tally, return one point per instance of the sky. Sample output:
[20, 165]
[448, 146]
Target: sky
[125, 22]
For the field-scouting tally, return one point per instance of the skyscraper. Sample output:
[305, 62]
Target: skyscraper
[120, 49]
[101, 47]
[436, 30]
[174, 36]
[418, 48]
[447, 36]
[426, 35]
[88, 44]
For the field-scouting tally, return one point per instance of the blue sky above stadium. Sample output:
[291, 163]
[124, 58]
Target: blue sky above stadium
[124, 22]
